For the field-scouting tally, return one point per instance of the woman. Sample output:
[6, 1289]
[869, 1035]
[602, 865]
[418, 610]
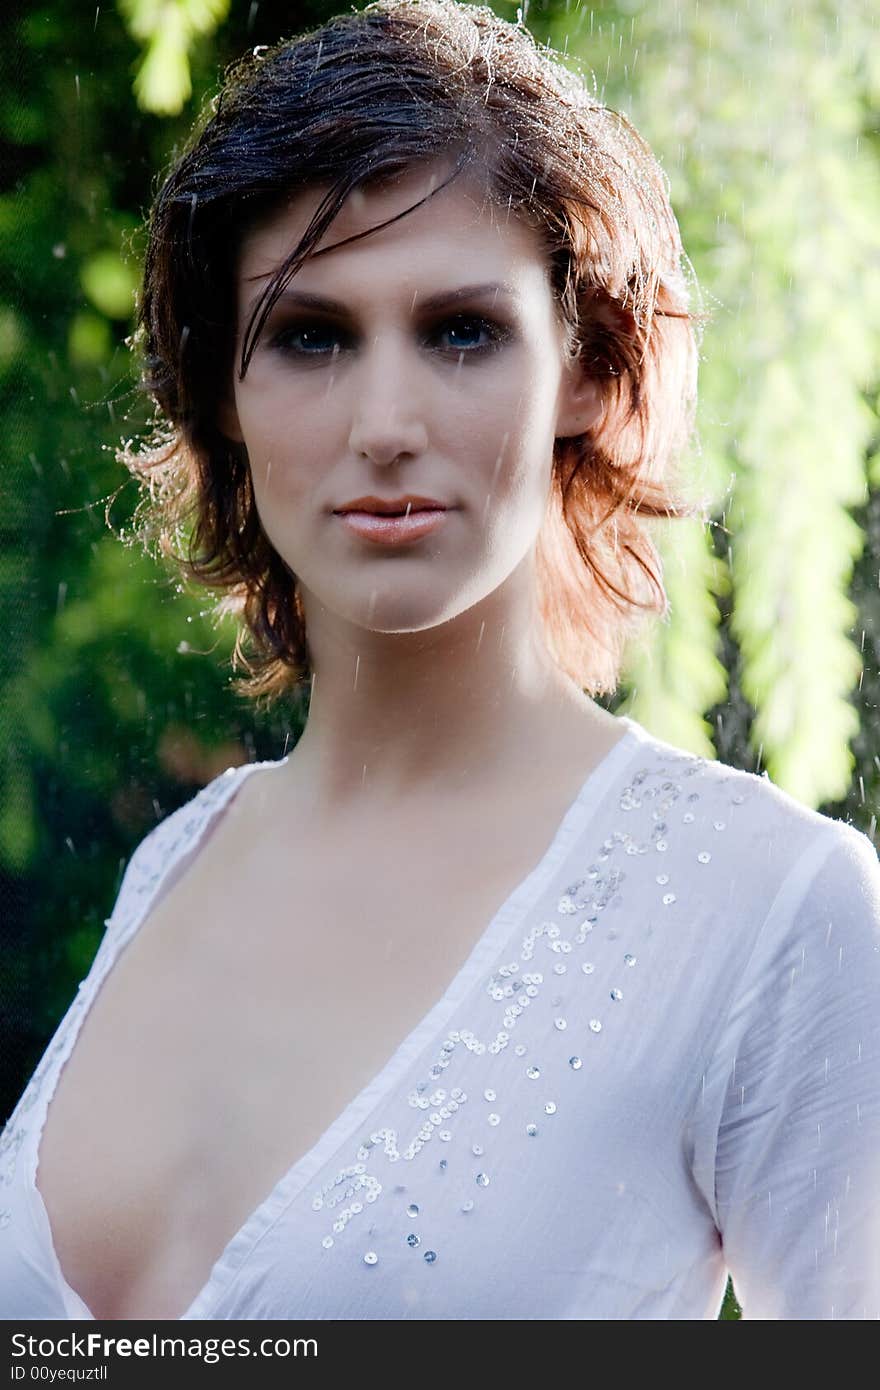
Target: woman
[482, 1002]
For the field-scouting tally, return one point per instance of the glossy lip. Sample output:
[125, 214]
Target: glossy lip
[386, 505]
[393, 530]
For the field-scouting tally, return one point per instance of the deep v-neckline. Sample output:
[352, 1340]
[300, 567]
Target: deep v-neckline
[295, 1178]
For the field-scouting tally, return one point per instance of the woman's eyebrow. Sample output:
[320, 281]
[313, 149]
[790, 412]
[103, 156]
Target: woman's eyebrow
[310, 300]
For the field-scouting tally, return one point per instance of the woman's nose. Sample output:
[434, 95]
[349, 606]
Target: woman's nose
[387, 414]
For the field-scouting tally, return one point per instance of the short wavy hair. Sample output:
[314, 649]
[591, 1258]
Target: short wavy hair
[361, 98]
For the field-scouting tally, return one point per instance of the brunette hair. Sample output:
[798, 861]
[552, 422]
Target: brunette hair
[363, 97]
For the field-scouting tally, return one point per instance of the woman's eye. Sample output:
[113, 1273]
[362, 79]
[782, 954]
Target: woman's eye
[309, 334]
[463, 332]
[469, 327]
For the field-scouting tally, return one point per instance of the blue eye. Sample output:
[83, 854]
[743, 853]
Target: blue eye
[495, 334]
[283, 342]
[328, 341]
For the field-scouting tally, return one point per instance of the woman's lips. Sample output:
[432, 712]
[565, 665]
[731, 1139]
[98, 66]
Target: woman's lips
[394, 530]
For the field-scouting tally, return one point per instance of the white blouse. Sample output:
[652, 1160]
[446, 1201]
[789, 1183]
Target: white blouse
[659, 1064]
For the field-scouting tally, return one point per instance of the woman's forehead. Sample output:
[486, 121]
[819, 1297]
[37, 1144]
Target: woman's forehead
[459, 219]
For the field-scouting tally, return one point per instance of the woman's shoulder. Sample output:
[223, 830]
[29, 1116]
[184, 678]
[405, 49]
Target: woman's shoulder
[760, 871]
[154, 852]
[748, 810]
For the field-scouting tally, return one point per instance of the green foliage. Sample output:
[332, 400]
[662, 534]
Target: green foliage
[110, 283]
[167, 29]
[675, 676]
[730, 1308]
[766, 130]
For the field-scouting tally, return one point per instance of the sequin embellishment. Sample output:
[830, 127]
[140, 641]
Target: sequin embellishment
[518, 986]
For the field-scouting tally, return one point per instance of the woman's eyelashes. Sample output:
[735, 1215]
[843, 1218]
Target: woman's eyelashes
[312, 338]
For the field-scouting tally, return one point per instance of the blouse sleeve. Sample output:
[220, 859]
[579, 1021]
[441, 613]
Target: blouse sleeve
[797, 1151]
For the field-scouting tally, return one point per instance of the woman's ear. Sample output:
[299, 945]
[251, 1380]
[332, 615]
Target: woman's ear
[583, 395]
[581, 401]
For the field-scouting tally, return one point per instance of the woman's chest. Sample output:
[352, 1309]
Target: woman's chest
[229, 1036]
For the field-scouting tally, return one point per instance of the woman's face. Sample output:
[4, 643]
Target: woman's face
[387, 391]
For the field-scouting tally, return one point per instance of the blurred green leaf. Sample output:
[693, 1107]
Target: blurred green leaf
[89, 340]
[110, 284]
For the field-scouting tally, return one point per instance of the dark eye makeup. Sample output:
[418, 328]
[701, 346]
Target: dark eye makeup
[293, 339]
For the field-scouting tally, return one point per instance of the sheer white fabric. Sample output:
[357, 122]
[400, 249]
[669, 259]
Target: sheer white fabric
[660, 1063]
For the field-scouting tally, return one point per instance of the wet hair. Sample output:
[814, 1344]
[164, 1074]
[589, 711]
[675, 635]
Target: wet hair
[352, 103]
